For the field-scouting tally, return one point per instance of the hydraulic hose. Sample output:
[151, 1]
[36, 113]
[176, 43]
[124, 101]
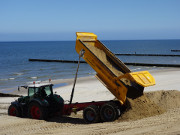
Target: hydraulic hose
[72, 93]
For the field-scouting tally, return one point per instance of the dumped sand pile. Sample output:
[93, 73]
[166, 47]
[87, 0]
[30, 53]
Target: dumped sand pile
[139, 108]
[102, 56]
[165, 99]
[151, 104]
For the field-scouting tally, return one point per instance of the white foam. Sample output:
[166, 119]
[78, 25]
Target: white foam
[18, 74]
[35, 77]
[11, 78]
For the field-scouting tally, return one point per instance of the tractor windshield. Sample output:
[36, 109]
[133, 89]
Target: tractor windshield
[42, 91]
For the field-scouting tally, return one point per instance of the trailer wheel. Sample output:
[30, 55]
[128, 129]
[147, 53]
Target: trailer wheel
[36, 111]
[13, 110]
[91, 114]
[109, 112]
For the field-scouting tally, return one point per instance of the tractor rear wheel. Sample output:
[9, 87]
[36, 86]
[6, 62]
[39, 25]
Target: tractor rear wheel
[109, 112]
[36, 111]
[91, 114]
[13, 110]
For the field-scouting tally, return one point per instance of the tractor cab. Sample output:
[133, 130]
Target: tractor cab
[40, 90]
[36, 90]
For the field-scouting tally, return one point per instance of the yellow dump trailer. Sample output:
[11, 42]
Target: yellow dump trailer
[112, 72]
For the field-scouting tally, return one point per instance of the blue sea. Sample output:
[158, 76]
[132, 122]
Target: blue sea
[15, 69]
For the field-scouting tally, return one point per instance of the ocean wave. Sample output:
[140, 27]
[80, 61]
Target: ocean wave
[135, 69]
[11, 78]
[18, 74]
[34, 77]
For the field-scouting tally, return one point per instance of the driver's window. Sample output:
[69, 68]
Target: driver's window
[32, 91]
[48, 90]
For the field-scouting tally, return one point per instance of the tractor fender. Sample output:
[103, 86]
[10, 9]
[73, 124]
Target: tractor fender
[16, 103]
[42, 102]
[58, 98]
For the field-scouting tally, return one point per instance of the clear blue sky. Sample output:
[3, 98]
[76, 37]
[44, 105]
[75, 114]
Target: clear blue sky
[27, 20]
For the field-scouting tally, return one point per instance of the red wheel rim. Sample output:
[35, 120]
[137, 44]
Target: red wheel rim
[12, 111]
[35, 112]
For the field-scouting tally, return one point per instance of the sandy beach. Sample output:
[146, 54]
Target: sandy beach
[165, 95]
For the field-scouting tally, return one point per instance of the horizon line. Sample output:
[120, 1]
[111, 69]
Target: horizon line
[75, 40]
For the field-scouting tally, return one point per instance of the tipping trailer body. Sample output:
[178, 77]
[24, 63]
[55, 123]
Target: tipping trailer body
[111, 71]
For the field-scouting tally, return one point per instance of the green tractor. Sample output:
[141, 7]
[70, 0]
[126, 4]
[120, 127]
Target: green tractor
[40, 103]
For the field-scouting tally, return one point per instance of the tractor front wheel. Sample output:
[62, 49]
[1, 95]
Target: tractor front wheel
[36, 111]
[14, 111]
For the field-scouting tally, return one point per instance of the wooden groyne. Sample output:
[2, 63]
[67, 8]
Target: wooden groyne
[133, 64]
[164, 55]
[175, 50]
[62, 61]
[8, 95]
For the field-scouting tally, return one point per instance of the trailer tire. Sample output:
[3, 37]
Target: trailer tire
[36, 111]
[91, 114]
[109, 112]
[13, 110]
